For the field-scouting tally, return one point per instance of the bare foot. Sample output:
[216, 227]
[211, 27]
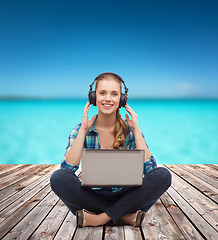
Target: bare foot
[90, 219]
[95, 219]
[129, 218]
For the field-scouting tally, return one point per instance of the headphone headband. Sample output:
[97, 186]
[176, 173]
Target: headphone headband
[115, 75]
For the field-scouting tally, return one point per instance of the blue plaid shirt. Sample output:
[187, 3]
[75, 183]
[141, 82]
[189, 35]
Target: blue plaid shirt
[92, 141]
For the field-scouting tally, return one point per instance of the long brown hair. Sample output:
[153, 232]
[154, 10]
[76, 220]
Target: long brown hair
[121, 128]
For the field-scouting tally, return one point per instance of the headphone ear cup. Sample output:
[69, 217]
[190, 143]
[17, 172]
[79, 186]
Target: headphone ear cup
[123, 100]
[92, 98]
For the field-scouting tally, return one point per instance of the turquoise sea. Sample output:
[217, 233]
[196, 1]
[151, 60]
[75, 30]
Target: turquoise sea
[176, 131]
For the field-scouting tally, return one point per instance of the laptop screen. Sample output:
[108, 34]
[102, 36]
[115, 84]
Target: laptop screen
[112, 167]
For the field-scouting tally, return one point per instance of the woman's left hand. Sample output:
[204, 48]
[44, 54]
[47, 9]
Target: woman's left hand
[134, 122]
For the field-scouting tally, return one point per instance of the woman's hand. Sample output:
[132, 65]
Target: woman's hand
[134, 122]
[86, 123]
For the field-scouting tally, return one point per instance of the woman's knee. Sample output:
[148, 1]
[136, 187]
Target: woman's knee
[59, 177]
[161, 176]
[55, 178]
[165, 176]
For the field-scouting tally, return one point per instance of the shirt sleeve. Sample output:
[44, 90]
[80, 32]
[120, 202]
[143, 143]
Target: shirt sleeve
[71, 139]
[151, 162]
[132, 137]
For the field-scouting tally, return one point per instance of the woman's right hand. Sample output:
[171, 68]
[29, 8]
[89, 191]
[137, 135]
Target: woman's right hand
[86, 123]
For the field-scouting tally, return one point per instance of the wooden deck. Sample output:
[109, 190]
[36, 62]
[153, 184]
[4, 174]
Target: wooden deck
[30, 210]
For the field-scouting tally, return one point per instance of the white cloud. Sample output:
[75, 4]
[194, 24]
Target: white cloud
[184, 86]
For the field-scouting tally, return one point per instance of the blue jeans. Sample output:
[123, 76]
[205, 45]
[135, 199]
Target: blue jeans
[67, 187]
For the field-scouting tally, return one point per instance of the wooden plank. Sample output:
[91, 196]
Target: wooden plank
[198, 183]
[7, 211]
[114, 232]
[208, 170]
[15, 171]
[13, 177]
[201, 203]
[200, 223]
[19, 198]
[132, 233]
[27, 222]
[25, 228]
[89, 233]
[21, 212]
[158, 224]
[183, 223]
[6, 168]
[200, 174]
[50, 225]
[24, 182]
[67, 228]
[214, 166]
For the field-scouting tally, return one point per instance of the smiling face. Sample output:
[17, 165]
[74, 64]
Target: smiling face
[108, 91]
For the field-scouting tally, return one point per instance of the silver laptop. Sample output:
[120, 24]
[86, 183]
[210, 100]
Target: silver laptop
[112, 167]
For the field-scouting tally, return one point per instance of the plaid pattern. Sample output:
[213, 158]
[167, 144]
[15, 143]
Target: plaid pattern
[92, 141]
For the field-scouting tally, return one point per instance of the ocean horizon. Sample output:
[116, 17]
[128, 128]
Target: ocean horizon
[131, 98]
[177, 130]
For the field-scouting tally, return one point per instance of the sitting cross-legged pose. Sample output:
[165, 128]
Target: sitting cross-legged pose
[108, 130]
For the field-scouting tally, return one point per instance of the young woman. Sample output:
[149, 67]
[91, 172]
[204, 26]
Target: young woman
[107, 130]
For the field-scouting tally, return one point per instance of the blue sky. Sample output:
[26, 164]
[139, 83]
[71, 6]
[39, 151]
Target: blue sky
[160, 48]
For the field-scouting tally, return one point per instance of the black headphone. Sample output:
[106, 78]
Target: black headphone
[123, 97]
